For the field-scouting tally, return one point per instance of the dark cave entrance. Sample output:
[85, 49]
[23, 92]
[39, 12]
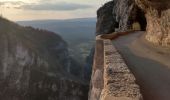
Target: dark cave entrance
[141, 19]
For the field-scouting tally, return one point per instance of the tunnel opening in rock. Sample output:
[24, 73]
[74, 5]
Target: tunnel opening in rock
[116, 24]
[141, 19]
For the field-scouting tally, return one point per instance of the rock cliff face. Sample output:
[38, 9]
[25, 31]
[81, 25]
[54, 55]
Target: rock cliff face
[119, 15]
[105, 19]
[35, 65]
[158, 20]
[125, 13]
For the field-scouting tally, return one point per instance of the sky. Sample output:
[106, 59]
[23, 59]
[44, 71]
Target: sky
[17, 10]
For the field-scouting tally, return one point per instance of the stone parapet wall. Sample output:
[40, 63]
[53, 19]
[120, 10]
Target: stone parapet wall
[97, 82]
[111, 78]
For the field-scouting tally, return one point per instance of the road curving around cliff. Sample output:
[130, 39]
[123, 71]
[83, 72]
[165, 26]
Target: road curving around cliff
[149, 63]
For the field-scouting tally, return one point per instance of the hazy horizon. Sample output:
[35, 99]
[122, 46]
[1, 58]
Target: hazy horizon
[21, 10]
[56, 19]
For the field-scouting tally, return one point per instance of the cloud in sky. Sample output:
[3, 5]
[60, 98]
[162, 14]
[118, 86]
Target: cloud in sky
[49, 9]
[59, 6]
[11, 2]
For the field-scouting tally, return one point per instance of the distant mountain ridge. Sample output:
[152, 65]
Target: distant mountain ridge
[79, 28]
[73, 19]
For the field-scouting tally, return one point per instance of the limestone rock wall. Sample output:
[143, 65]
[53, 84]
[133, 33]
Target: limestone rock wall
[157, 13]
[97, 82]
[118, 15]
[111, 78]
[125, 13]
[105, 19]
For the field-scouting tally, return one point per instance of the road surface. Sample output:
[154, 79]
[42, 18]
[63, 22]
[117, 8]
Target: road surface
[149, 63]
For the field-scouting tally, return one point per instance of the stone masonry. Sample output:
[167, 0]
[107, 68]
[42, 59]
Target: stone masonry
[111, 77]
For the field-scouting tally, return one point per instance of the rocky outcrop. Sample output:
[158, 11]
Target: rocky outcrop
[113, 15]
[119, 15]
[125, 12]
[35, 65]
[111, 78]
[105, 19]
[158, 20]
